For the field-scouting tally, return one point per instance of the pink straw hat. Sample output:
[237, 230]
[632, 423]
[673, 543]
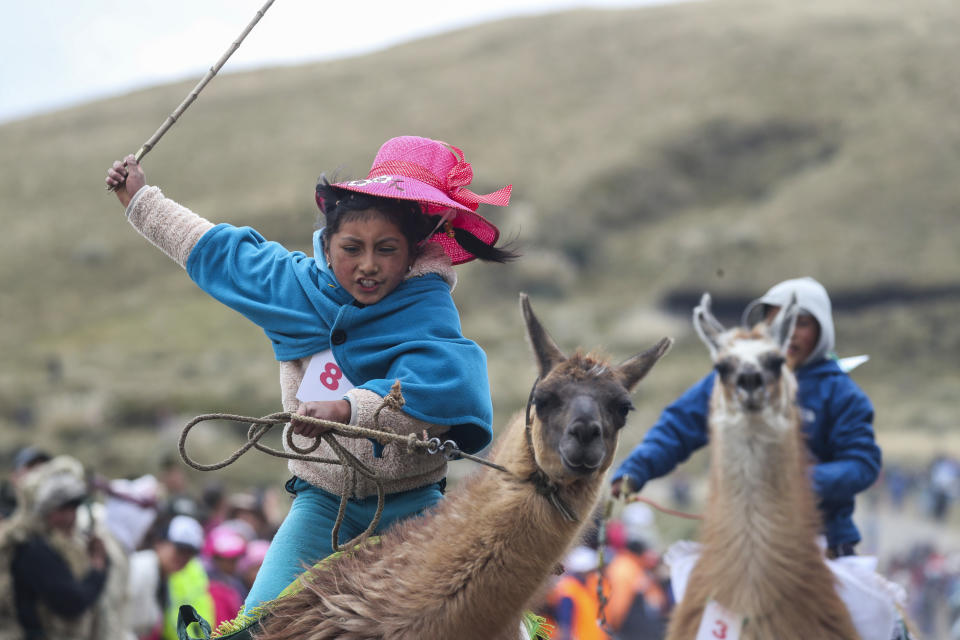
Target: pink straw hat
[434, 174]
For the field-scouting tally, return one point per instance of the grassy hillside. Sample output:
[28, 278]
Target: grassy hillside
[655, 153]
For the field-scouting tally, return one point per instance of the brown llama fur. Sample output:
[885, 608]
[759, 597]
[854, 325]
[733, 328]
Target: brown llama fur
[469, 567]
[760, 558]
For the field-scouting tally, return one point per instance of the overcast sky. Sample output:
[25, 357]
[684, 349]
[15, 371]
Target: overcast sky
[56, 53]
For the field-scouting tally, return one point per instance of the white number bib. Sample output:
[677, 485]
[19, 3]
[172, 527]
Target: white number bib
[719, 623]
[323, 379]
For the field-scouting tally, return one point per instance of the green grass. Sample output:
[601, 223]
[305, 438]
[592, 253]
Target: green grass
[716, 146]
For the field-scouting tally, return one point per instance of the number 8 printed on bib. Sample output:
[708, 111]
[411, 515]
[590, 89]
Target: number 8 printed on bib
[323, 379]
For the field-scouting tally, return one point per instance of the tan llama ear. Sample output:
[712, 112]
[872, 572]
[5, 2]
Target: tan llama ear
[781, 329]
[544, 348]
[633, 370]
[707, 326]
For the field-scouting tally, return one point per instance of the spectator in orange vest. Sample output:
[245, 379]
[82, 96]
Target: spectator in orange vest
[574, 604]
[636, 601]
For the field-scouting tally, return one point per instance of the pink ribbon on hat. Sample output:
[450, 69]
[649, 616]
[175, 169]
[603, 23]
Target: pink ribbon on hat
[460, 174]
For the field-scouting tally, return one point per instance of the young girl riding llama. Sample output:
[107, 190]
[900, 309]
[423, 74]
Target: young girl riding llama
[372, 306]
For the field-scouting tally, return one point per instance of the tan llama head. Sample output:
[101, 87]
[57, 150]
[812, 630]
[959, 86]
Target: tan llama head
[580, 403]
[750, 362]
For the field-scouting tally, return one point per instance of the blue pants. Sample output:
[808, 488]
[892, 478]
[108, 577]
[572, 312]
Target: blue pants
[304, 536]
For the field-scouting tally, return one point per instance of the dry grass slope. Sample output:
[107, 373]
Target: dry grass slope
[714, 146]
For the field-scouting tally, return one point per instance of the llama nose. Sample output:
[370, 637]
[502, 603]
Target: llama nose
[585, 431]
[750, 380]
[584, 420]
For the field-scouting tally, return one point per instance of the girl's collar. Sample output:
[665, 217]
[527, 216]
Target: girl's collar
[433, 259]
[318, 251]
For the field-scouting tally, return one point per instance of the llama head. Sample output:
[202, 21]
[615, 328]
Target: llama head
[581, 403]
[750, 362]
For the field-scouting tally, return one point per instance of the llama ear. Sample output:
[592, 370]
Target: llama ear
[634, 369]
[784, 323]
[544, 348]
[707, 326]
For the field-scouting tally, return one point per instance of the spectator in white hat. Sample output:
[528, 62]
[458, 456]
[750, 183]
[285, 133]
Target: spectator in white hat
[169, 575]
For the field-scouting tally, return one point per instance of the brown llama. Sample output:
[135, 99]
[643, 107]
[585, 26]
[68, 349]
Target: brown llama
[470, 567]
[760, 559]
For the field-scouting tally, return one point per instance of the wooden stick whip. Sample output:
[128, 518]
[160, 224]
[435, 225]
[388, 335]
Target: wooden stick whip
[149, 144]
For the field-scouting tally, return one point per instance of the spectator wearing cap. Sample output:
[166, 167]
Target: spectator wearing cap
[223, 549]
[166, 576]
[189, 584]
[25, 460]
[56, 574]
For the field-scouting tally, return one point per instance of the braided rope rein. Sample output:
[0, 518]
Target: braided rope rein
[259, 427]
[394, 401]
[626, 497]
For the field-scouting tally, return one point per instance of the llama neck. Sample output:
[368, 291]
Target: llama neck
[761, 511]
[524, 536]
[751, 459]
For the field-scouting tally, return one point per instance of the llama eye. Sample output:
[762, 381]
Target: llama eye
[624, 409]
[543, 399]
[723, 368]
[774, 363]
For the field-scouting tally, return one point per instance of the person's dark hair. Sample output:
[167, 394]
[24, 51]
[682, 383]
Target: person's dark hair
[213, 494]
[636, 546]
[156, 531]
[29, 457]
[341, 205]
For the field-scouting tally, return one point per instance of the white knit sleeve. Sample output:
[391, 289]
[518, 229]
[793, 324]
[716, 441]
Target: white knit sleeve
[171, 227]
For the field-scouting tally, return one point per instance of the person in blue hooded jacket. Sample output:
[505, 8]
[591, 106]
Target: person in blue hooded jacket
[371, 307]
[837, 417]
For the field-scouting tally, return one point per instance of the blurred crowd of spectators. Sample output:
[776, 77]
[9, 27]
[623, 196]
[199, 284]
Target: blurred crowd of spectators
[934, 488]
[97, 558]
[635, 600]
[929, 569]
[932, 579]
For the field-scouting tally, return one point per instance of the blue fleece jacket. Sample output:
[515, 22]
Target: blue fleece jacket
[412, 335]
[838, 424]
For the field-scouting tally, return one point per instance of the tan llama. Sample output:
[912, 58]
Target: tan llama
[468, 569]
[760, 560]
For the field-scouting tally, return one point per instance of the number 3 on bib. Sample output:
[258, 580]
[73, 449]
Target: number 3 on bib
[323, 379]
[719, 623]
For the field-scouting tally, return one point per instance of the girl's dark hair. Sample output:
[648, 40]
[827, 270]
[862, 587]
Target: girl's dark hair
[340, 205]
